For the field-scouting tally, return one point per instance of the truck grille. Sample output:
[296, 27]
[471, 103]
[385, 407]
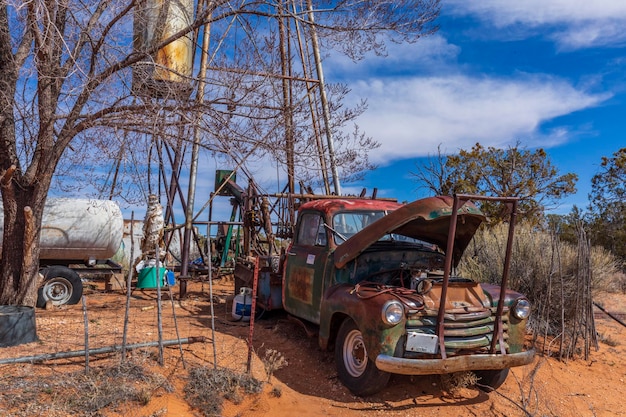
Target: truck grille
[466, 331]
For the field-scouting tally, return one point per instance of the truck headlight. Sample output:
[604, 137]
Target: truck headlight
[521, 308]
[393, 312]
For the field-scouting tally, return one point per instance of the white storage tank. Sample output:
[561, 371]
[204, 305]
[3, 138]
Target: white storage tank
[78, 229]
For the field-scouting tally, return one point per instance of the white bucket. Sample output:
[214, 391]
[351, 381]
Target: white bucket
[242, 304]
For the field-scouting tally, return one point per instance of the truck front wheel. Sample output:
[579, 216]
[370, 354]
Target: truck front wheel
[355, 370]
[61, 286]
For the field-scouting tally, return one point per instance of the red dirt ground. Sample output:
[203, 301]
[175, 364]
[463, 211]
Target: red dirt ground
[308, 385]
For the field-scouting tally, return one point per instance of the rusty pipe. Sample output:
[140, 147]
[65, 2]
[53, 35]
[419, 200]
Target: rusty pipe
[106, 349]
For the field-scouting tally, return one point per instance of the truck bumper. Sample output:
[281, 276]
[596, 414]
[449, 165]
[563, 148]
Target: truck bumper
[453, 364]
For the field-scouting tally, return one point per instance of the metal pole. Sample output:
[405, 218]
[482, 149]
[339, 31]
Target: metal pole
[286, 89]
[108, 349]
[512, 203]
[86, 319]
[159, 307]
[128, 284]
[498, 326]
[446, 276]
[212, 304]
[180, 348]
[311, 99]
[252, 311]
[325, 107]
[193, 172]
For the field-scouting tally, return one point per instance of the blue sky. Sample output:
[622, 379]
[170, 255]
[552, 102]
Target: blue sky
[545, 74]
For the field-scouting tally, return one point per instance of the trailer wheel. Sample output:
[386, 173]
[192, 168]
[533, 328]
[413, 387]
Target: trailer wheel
[355, 370]
[61, 286]
[491, 380]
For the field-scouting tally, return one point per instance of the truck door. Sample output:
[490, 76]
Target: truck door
[304, 271]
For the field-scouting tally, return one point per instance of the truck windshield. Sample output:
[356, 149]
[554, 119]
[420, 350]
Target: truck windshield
[346, 224]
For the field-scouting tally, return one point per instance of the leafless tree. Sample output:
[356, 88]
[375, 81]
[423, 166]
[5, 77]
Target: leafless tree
[69, 109]
[435, 176]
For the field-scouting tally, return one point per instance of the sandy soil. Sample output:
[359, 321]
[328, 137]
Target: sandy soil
[308, 385]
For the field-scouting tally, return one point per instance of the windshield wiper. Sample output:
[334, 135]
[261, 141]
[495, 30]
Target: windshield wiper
[336, 233]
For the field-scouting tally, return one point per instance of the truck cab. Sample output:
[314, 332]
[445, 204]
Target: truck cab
[375, 276]
[309, 269]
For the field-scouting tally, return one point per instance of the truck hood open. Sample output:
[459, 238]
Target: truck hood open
[427, 219]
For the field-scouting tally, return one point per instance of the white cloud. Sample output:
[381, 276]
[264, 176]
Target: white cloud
[430, 54]
[572, 24]
[412, 116]
[591, 34]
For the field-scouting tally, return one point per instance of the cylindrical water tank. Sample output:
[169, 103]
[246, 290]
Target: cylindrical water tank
[166, 71]
[78, 229]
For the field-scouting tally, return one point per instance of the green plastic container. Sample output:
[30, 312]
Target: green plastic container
[147, 277]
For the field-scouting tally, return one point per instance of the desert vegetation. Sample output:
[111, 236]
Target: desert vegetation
[81, 393]
[560, 278]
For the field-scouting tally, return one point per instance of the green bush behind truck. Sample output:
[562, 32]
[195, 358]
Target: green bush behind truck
[374, 277]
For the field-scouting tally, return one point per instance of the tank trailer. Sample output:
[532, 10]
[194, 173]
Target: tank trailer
[77, 236]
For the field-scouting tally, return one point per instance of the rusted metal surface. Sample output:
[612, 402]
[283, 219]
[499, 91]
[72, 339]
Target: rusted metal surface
[401, 253]
[426, 219]
[343, 301]
[403, 366]
[170, 65]
[299, 284]
[467, 320]
[334, 205]
[463, 296]
[516, 330]
[269, 294]
[494, 293]
[303, 281]
[255, 282]
[454, 228]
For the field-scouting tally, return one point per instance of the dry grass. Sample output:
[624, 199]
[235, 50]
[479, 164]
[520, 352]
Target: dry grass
[453, 383]
[608, 340]
[108, 388]
[273, 360]
[207, 388]
[554, 275]
[537, 256]
[620, 282]
[79, 393]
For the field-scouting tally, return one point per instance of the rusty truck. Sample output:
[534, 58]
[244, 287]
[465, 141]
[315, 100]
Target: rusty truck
[375, 279]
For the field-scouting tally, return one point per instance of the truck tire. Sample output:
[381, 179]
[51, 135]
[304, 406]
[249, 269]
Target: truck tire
[61, 286]
[491, 380]
[355, 370]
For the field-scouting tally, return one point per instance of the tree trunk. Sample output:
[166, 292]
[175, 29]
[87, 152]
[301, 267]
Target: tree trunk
[23, 195]
[19, 266]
